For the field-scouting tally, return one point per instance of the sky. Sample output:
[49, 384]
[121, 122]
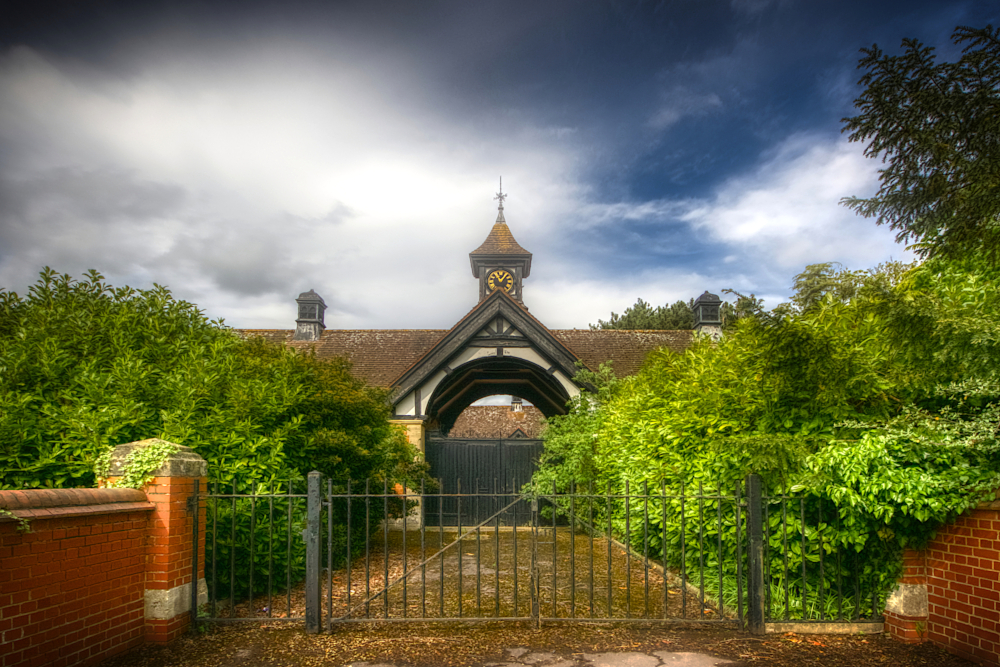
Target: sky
[240, 153]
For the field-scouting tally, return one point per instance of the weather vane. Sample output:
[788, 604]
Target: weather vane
[500, 195]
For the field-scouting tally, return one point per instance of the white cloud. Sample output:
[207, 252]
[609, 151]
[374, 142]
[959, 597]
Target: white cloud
[239, 184]
[788, 208]
[680, 102]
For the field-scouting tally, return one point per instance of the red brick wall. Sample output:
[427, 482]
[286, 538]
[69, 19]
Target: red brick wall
[961, 570]
[169, 546]
[71, 590]
[909, 629]
[963, 586]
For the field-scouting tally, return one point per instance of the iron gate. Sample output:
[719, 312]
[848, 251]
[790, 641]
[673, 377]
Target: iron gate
[359, 553]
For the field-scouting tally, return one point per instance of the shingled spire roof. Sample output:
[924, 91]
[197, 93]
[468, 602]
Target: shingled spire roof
[500, 244]
[500, 241]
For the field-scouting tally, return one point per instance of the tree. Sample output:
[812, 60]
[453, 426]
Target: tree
[642, 315]
[936, 126]
[85, 366]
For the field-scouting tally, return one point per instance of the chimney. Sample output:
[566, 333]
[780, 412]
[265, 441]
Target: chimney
[309, 325]
[708, 315]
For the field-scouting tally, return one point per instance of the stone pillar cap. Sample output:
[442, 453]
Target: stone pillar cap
[184, 463]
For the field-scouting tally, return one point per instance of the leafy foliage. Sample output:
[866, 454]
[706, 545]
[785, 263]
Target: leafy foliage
[868, 405]
[85, 366]
[936, 126]
[642, 315]
[138, 467]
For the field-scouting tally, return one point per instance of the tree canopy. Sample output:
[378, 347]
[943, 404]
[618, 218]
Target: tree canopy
[642, 315]
[936, 127]
[85, 366]
[873, 394]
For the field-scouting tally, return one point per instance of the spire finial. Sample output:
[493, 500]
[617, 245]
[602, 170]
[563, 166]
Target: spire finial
[500, 195]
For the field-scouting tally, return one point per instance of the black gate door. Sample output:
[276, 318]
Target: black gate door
[472, 466]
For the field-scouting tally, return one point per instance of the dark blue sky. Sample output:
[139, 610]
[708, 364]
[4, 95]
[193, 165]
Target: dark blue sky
[242, 152]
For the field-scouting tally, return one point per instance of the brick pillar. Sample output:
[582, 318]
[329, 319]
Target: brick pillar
[906, 608]
[169, 540]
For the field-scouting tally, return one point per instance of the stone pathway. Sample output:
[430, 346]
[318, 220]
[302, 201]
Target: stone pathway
[522, 657]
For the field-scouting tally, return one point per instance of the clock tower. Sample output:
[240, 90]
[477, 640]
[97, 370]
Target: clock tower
[500, 263]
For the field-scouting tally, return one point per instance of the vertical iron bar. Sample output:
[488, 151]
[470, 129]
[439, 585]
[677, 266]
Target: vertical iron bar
[479, 552]
[496, 549]
[215, 552]
[460, 547]
[313, 502]
[329, 554]
[819, 529]
[572, 550]
[270, 551]
[739, 556]
[701, 550]
[441, 541]
[514, 535]
[719, 556]
[349, 559]
[368, 550]
[423, 549]
[405, 573]
[288, 556]
[802, 524]
[784, 547]
[755, 613]
[536, 587]
[232, 558]
[663, 541]
[590, 532]
[253, 529]
[645, 548]
[857, 596]
[840, 581]
[610, 598]
[555, 580]
[385, 548]
[684, 589]
[766, 523]
[196, 498]
[628, 551]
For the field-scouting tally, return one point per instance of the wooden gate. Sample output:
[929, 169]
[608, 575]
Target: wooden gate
[465, 465]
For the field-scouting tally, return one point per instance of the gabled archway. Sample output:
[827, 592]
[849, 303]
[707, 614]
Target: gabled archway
[490, 376]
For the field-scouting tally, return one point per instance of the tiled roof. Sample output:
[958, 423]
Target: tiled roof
[497, 421]
[626, 348]
[500, 242]
[379, 356]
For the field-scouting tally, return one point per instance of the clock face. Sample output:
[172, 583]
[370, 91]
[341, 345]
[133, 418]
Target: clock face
[500, 279]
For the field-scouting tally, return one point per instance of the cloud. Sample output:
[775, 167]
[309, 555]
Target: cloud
[240, 177]
[239, 186]
[681, 102]
[788, 207]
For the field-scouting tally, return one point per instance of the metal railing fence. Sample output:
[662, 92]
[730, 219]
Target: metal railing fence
[347, 553]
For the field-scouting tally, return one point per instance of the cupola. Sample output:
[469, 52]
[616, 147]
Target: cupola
[309, 324]
[500, 263]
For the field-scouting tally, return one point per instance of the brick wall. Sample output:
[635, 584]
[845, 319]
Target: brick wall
[950, 591]
[101, 570]
[71, 590]
[169, 540]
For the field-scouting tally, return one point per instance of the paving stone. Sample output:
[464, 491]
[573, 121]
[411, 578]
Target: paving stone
[684, 659]
[537, 658]
[621, 660]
